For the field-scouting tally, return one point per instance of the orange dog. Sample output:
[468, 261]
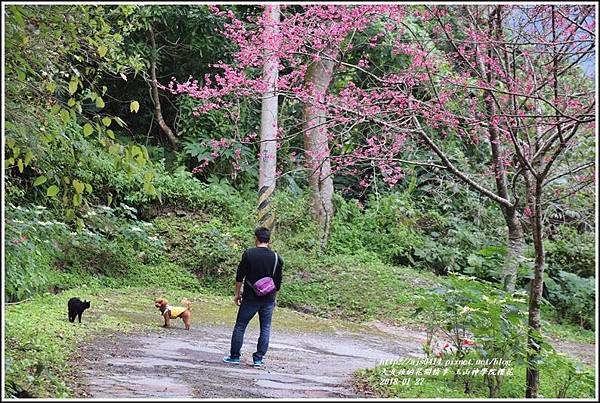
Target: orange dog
[174, 312]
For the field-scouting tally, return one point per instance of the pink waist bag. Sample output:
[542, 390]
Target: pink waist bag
[266, 285]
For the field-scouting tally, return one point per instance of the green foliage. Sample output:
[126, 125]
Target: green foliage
[205, 247]
[467, 308]
[384, 227]
[187, 42]
[44, 254]
[294, 227]
[570, 281]
[401, 230]
[29, 250]
[569, 378]
[572, 252]
[214, 138]
[55, 58]
[70, 172]
[574, 298]
[463, 308]
[560, 377]
[486, 263]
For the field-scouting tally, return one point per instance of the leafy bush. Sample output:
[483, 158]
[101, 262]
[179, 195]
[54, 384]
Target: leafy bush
[203, 247]
[570, 271]
[464, 308]
[486, 263]
[572, 252]
[29, 247]
[468, 309]
[574, 298]
[44, 254]
[294, 227]
[400, 231]
[208, 139]
[384, 226]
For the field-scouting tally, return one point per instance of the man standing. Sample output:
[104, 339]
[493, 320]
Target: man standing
[256, 264]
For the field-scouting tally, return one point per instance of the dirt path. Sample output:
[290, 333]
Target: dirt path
[308, 357]
[584, 352]
[175, 363]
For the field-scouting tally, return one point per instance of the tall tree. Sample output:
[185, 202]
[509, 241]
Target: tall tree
[311, 42]
[316, 142]
[268, 119]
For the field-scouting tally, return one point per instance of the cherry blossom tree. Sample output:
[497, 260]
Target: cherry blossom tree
[308, 43]
[514, 80]
[508, 76]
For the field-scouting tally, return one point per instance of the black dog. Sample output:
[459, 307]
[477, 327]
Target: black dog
[76, 308]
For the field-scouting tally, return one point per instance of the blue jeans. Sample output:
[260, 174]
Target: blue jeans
[248, 309]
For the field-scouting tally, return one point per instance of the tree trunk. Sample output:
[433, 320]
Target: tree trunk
[268, 125]
[516, 243]
[155, 97]
[534, 187]
[316, 143]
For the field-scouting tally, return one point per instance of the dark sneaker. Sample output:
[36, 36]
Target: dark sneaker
[230, 360]
[258, 363]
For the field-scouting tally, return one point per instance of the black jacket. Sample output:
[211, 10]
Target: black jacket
[257, 263]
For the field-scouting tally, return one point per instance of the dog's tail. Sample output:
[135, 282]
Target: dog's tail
[187, 303]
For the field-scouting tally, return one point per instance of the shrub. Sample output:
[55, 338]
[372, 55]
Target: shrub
[574, 298]
[468, 309]
[294, 226]
[384, 226]
[496, 321]
[45, 254]
[486, 264]
[29, 247]
[572, 252]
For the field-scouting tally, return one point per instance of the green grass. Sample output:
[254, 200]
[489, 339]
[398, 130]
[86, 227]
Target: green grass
[39, 340]
[569, 332]
[358, 288]
[553, 376]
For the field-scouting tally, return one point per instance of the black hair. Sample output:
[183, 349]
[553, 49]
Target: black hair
[263, 234]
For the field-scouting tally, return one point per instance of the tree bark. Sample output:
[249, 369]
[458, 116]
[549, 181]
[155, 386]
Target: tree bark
[534, 193]
[516, 243]
[155, 97]
[515, 240]
[268, 125]
[316, 143]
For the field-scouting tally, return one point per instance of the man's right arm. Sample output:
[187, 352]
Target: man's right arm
[237, 297]
[239, 277]
[278, 277]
